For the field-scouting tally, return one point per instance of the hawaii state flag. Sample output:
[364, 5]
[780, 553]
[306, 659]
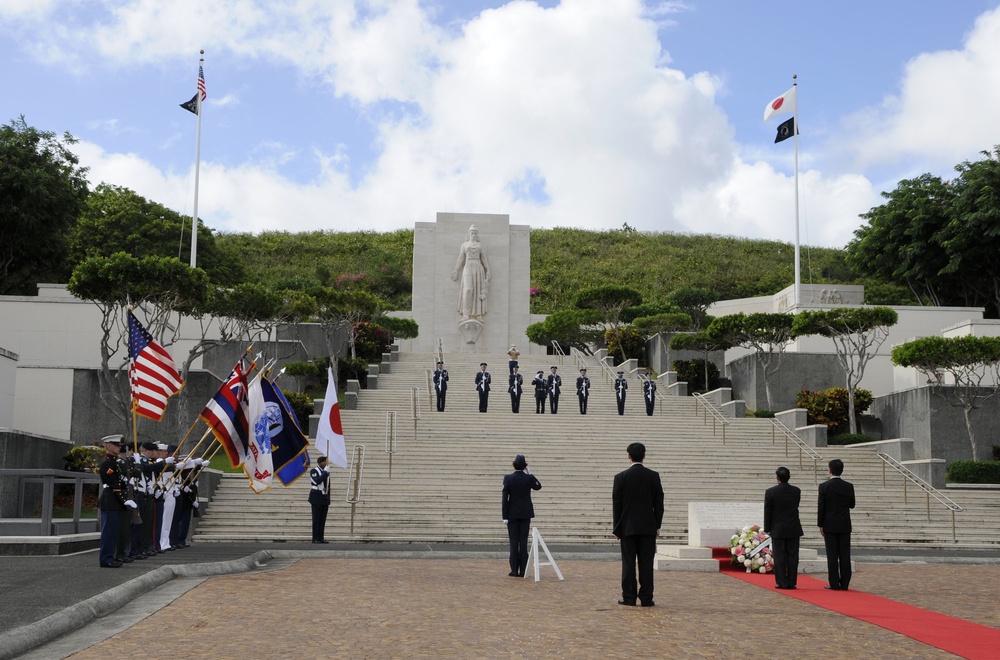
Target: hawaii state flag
[226, 414]
[781, 105]
[330, 435]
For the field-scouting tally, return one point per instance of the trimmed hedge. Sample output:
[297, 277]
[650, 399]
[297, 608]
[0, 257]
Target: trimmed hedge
[847, 439]
[974, 472]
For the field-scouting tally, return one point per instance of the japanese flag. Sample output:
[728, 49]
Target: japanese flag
[781, 105]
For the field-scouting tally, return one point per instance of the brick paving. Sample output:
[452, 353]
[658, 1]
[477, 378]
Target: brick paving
[421, 608]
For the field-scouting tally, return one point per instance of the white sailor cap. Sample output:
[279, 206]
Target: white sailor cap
[113, 439]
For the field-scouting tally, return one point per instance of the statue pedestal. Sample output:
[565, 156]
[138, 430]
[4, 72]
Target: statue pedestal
[470, 329]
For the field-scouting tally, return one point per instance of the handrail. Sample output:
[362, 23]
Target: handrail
[797, 441]
[717, 417]
[931, 491]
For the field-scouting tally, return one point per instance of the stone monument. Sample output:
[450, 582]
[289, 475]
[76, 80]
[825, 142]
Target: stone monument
[471, 274]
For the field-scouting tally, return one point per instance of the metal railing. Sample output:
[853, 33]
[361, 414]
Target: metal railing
[804, 449]
[930, 491]
[717, 417]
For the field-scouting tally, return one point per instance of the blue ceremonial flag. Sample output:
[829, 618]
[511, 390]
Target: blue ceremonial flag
[289, 444]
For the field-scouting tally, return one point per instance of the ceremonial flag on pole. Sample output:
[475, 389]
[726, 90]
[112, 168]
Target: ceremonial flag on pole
[259, 463]
[194, 105]
[781, 105]
[289, 446]
[330, 435]
[786, 129]
[226, 414]
[153, 378]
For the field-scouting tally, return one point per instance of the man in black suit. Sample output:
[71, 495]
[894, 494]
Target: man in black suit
[583, 390]
[781, 521]
[555, 383]
[483, 379]
[836, 499]
[517, 511]
[516, 388]
[541, 391]
[637, 502]
[319, 499]
[440, 385]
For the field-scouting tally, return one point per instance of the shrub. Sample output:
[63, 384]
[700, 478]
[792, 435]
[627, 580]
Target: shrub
[302, 407]
[628, 339]
[848, 439]
[974, 472]
[763, 413]
[370, 341]
[83, 459]
[303, 373]
[830, 407]
[352, 368]
[693, 373]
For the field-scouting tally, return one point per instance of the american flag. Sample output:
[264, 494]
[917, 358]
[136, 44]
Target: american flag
[227, 414]
[201, 82]
[153, 378]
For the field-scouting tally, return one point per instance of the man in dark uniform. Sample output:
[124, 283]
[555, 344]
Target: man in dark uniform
[583, 390]
[541, 391]
[516, 387]
[112, 501]
[187, 502]
[620, 386]
[440, 385]
[637, 504]
[649, 393]
[555, 383]
[517, 512]
[781, 521]
[123, 546]
[319, 499]
[836, 499]
[483, 379]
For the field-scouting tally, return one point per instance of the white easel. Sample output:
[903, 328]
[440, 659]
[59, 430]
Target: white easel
[536, 542]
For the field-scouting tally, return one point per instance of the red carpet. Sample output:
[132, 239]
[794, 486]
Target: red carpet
[969, 640]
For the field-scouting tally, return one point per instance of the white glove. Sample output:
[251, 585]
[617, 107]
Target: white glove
[130, 504]
[200, 461]
[175, 491]
[505, 521]
[187, 489]
[195, 505]
[527, 470]
[170, 460]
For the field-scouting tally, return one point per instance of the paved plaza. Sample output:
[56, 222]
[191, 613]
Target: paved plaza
[454, 604]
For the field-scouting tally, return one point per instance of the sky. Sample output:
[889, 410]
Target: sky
[376, 114]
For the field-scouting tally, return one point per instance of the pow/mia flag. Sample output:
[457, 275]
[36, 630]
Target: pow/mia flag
[786, 129]
[192, 106]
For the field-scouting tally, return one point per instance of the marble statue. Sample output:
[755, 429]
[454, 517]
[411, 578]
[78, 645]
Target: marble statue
[474, 269]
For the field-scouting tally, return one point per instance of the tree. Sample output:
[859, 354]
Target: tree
[768, 335]
[339, 308]
[42, 189]
[969, 360]
[699, 341]
[610, 301]
[857, 334]
[693, 301]
[399, 327]
[579, 328]
[116, 219]
[658, 324]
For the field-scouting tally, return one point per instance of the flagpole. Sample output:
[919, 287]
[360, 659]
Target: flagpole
[197, 169]
[795, 135]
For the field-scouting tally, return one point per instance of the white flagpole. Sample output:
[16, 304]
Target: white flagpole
[795, 135]
[197, 169]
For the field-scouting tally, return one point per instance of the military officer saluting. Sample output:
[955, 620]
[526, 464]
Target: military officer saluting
[541, 391]
[620, 386]
[555, 383]
[440, 385]
[583, 390]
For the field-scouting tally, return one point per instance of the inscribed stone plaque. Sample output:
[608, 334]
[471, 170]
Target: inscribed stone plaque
[712, 524]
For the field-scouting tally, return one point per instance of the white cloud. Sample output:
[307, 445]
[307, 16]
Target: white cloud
[947, 107]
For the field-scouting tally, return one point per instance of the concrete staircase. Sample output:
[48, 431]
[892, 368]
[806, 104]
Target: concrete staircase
[447, 472]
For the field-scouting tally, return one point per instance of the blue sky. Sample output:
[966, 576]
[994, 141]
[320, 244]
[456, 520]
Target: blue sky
[346, 114]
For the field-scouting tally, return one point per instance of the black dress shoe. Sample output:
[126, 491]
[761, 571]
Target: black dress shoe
[648, 603]
[512, 574]
[826, 586]
[125, 560]
[626, 603]
[114, 564]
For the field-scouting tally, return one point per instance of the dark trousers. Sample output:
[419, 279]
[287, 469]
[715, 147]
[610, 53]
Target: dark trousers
[440, 400]
[484, 400]
[136, 546]
[515, 402]
[517, 532]
[583, 403]
[110, 523]
[146, 535]
[838, 559]
[621, 404]
[124, 535]
[638, 549]
[182, 522]
[650, 406]
[539, 404]
[554, 403]
[786, 561]
[319, 510]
